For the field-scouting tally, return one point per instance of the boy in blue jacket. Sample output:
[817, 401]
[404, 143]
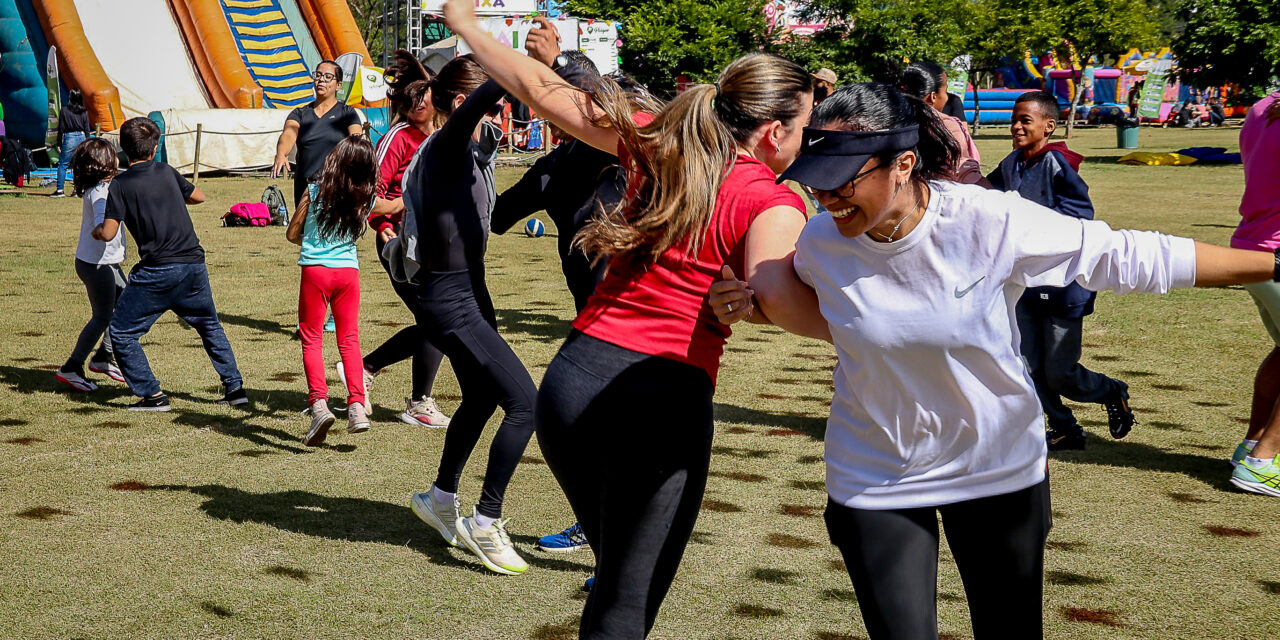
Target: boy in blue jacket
[1050, 319]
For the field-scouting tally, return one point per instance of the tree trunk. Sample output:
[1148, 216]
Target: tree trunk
[1076, 92]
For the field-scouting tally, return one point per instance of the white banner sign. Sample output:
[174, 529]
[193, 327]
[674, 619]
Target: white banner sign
[489, 7]
[599, 40]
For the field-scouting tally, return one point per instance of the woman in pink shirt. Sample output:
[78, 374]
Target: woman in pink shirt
[1259, 230]
[927, 82]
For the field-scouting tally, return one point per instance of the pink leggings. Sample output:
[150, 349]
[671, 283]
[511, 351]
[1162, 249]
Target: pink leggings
[338, 289]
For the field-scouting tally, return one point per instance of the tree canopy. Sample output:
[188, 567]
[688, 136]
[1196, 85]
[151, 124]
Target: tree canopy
[666, 38]
[1230, 41]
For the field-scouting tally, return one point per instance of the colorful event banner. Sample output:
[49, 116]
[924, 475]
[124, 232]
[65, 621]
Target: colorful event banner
[489, 7]
[1153, 87]
[514, 31]
[596, 38]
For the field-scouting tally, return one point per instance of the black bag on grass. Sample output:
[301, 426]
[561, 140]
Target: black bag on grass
[15, 159]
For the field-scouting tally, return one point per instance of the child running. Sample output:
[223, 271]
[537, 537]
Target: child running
[1050, 319]
[97, 263]
[327, 223]
[150, 200]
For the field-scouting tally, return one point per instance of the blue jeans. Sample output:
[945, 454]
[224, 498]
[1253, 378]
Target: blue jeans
[70, 141]
[152, 290]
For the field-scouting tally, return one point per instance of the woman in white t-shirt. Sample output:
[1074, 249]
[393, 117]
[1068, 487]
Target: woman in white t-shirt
[934, 411]
[97, 263]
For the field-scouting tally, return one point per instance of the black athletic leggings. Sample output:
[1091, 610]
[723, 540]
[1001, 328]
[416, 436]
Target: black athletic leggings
[455, 313]
[634, 477]
[998, 545]
[408, 342]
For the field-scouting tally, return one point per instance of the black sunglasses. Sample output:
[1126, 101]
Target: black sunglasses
[839, 192]
[496, 109]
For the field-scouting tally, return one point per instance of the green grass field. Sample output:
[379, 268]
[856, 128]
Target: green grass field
[212, 523]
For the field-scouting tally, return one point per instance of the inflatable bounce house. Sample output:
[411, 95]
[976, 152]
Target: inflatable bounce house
[235, 67]
[1105, 90]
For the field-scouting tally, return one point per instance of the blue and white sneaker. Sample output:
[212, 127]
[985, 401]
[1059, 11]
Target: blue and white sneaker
[330, 326]
[570, 539]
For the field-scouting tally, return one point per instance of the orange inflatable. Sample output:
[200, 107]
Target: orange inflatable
[335, 32]
[340, 29]
[207, 74]
[205, 28]
[62, 26]
[318, 34]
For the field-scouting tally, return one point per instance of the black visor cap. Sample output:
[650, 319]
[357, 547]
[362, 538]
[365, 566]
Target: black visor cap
[830, 159]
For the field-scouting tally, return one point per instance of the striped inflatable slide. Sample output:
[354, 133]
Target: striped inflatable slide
[269, 50]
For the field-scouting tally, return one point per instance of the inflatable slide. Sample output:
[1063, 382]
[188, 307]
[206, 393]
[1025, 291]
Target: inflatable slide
[267, 47]
[167, 54]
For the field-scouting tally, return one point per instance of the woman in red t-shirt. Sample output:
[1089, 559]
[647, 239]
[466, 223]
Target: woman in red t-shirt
[414, 121]
[702, 193]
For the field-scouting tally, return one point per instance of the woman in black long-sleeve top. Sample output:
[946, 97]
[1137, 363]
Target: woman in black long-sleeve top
[450, 193]
[73, 129]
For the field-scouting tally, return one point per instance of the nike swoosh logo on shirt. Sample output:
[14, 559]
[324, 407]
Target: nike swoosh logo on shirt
[962, 293]
[816, 140]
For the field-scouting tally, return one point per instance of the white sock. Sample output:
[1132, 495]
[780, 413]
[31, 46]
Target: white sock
[483, 521]
[442, 497]
[1249, 444]
[1258, 463]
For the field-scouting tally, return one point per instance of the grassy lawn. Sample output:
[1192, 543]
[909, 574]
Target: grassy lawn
[213, 523]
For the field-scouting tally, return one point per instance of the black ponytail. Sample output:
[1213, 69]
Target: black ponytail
[920, 79]
[877, 106]
[937, 152]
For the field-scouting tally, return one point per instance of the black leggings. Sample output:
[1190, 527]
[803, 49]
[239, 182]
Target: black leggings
[633, 477]
[455, 313]
[408, 342]
[998, 545]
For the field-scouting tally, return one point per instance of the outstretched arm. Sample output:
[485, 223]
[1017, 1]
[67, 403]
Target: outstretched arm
[532, 82]
[1218, 266]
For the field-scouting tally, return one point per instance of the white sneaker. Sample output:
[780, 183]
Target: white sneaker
[357, 418]
[492, 546]
[108, 369]
[321, 420]
[73, 380]
[424, 413]
[368, 384]
[441, 517]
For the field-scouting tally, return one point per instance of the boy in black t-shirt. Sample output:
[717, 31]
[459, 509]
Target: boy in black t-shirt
[150, 199]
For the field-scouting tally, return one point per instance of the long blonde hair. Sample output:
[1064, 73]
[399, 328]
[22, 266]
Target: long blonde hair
[682, 157]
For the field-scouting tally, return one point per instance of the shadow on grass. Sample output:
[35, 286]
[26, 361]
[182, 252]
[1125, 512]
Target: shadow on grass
[544, 327]
[259, 324]
[113, 396]
[1212, 471]
[345, 519]
[1102, 159]
[812, 426]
